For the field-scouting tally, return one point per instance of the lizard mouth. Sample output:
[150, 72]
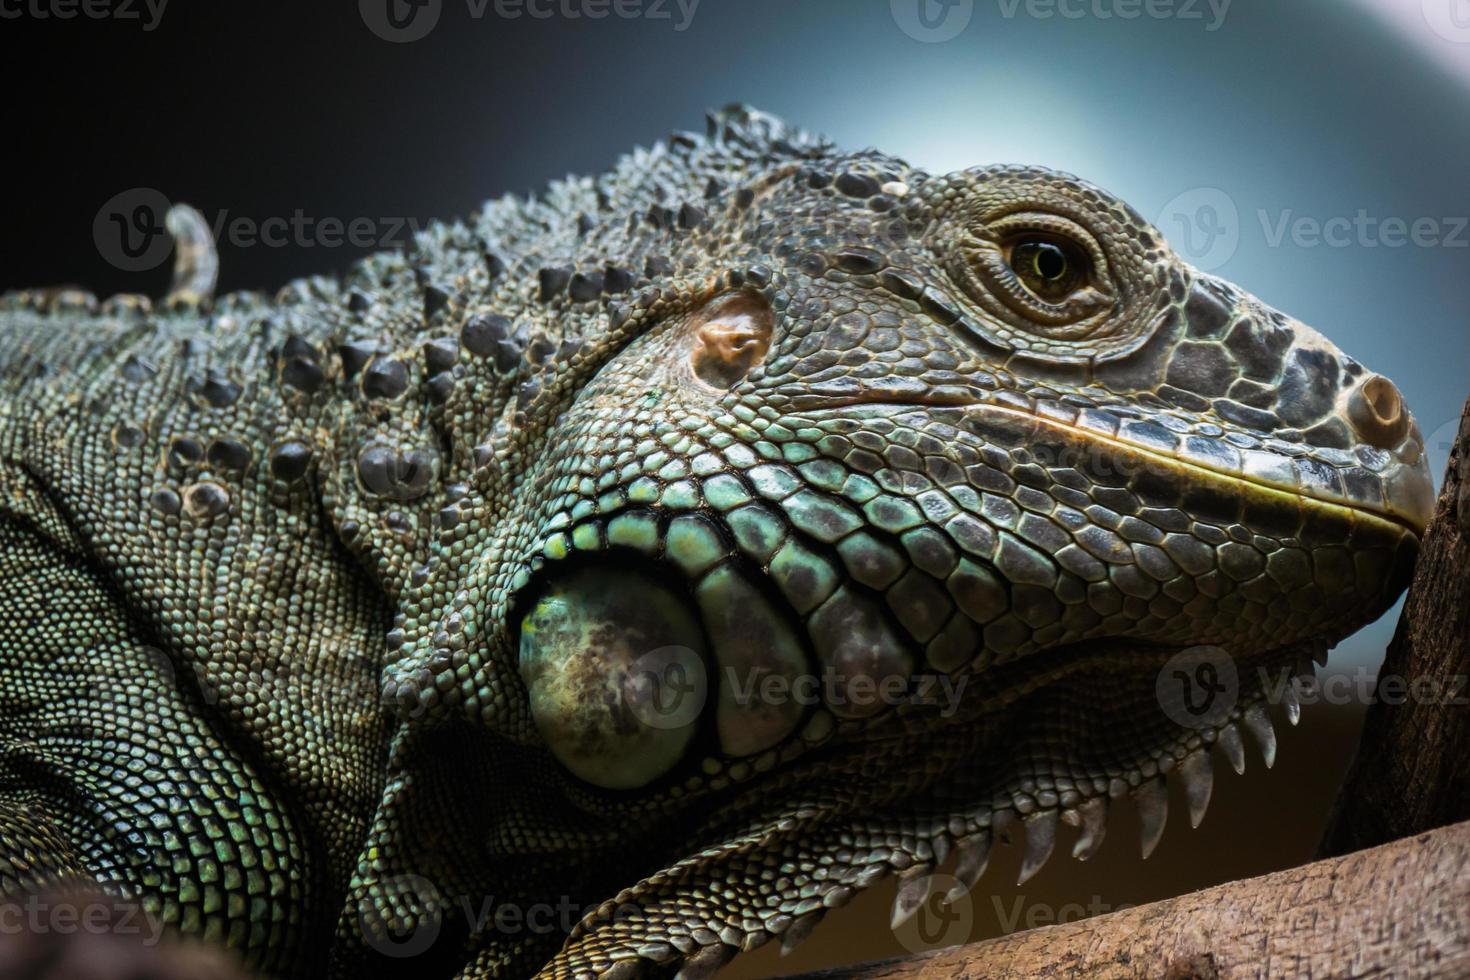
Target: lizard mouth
[1393, 486]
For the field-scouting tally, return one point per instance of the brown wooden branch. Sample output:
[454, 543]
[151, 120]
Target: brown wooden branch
[1400, 910]
[1412, 772]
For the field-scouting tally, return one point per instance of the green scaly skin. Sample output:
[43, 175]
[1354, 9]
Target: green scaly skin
[785, 410]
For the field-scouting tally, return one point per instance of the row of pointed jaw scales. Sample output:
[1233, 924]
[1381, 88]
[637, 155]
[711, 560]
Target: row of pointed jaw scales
[834, 858]
[1195, 773]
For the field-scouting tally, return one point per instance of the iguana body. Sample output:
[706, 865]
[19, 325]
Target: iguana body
[325, 616]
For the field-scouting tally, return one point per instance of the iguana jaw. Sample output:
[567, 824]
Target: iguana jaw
[923, 794]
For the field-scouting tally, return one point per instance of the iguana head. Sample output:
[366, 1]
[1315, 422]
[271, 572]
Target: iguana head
[885, 511]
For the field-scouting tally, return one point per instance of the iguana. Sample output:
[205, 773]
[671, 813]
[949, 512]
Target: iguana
[664, 558]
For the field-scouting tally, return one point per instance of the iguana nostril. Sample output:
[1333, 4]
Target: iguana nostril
[1377, 412]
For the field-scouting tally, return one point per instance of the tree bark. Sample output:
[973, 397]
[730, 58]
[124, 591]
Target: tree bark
[1412, 771]
[1400, 910]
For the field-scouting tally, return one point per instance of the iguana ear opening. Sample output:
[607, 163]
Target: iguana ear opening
[728, 338]
[613, 662]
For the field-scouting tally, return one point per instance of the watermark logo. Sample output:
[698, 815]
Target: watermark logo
[129, 231]
[389, 938]
[1361, 686]
[1203, 226]
[859, 691]
[667, 688]
[1450, 19]
[1198, 687]
[483, 914]
[400, 21]
[932, 21]
[945, 918]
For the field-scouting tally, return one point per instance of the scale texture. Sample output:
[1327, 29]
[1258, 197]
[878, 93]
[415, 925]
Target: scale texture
[664, 559]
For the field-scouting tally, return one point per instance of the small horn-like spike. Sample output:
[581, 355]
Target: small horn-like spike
[1319, 654]
[1199, 780]
[1230, 743]
[1041, 837]
[974, 856]
[1258, 723]
[799, 930]
[913, 891]
[706, 962]
[1292, 705]
[196, 263]
[1094, 819]
[1152, 798]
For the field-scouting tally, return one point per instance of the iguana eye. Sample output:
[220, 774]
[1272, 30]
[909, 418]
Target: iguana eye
[1051, 268]
[1041, 272]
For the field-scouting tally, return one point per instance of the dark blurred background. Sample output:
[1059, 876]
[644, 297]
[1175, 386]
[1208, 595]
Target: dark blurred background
[1314, 151]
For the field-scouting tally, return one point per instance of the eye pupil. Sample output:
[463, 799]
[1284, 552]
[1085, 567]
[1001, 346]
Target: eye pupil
[1050, 262]
[1050, 269]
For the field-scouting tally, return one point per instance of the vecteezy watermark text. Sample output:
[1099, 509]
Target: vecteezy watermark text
[148, 13]
[833, 687]
[130, 234]
[402, 21]
[1211, 12]
[1205, 227]
[1018, 914]
[932, 21]
[60, 915]
[482, 914]
[1361, 685]
[1363, 230]
[672, 688]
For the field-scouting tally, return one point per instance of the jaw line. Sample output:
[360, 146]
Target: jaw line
[815, 829]
[1343, 509]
